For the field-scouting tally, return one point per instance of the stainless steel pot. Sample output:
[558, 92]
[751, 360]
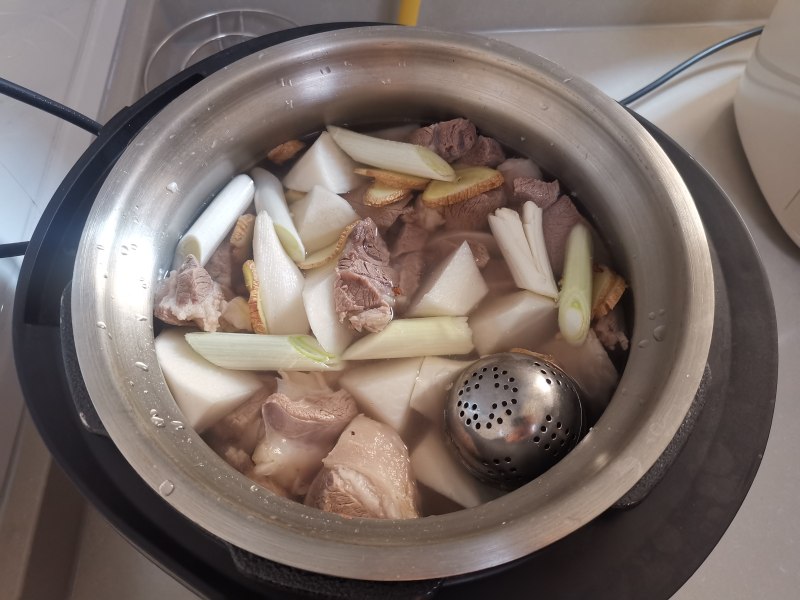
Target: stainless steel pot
[224, 124]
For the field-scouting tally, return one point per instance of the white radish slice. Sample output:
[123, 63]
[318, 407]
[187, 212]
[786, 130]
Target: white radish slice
[454, 288]
[320, 218]
[435, 379]
[280, 281]
[269, 197]
[318, 301]
[518, 320]
[204, 392]
[435, 466]
[383, 389]
[213, 225]
[325, 164]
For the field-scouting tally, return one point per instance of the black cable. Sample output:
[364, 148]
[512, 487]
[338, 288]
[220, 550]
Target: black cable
[15, 249]
[51, 106]
[689, 62]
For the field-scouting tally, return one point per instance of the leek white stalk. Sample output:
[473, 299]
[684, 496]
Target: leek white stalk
[280, 281]
[534, 233]
[394, 156]
[575, 300]
[211, 227]
[528, 263]
[248, 352]
[269, 197]
[405, 338]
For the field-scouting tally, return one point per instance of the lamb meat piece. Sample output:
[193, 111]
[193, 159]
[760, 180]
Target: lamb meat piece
[383, 216]
[189, 296]
[473, 213]
[429, 218]
[367, 474]
[409, 269]
[512, 168]
[234, 437]
[410, 238]
[557, 221]
[487, 152]
[610, 331]
[298, 434]
[449, 139]
[226, 270]
[363, 291]
[543, 193]
[423, 137]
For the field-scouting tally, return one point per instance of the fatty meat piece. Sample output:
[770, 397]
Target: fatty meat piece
[363, 292]
[189, 296]
[298, 434]
[367, 474]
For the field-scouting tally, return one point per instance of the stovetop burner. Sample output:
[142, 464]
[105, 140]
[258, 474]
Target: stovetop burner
[647, 551]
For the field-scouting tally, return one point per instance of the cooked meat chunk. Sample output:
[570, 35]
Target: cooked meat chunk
[487, 152]
[449, 139]
[512, 168]
[472, 214]
[298, 434]
[410, 238]
[429, 218]
[557, 221]
[367, 474]
[189, 296]
[558, 215]
[542, 193]
[409, 269]
[226, 270]
[363, 290]
[234, 437]
[611, 331]
[383, 216]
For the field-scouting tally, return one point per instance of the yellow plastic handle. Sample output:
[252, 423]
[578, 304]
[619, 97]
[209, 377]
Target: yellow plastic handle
[408, 12]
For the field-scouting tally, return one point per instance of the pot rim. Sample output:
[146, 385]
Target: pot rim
[282, 530]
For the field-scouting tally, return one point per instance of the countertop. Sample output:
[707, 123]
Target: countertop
[758, 555]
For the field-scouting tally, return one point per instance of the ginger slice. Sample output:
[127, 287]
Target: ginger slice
[329, 253]
[394, 179]
[242, 238]
[257, 319]
[607, 289]
[469, 182]
[285, 151]
[379, 194]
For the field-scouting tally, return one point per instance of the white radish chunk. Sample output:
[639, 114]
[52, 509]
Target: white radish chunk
[590, 366]
[325, 164]
[435, 466]
[213, 225]
[403, 338]
[321, 311]
[518, 320]
[320, 218]
[280, 281]
[383, 389]
[454, 288]
[435, 379]
[237, 313]
[269, 197]
[204, 392]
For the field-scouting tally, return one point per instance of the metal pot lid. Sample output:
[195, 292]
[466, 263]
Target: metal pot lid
[203, 138]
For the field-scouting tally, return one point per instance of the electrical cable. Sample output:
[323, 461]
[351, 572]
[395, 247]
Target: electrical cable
[15, 249]
[689, 62]
[44, 103]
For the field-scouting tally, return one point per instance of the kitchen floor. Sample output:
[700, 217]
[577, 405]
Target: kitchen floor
[758, 556]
